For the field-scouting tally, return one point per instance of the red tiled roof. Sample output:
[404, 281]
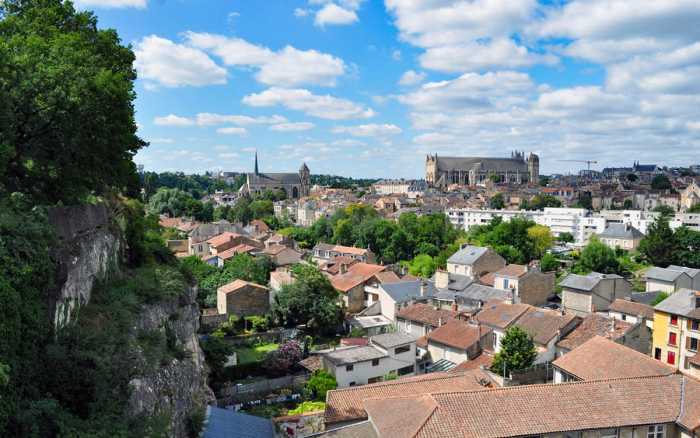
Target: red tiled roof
[500, 314]
[238, 249]
[601, 358]
[222, 239]
[488, 279]
[512, 271]
[632, 308]
[543, 324]
[236, 285]
[426, 314]
[484, 359]
[356, 274]
[458, 333]
[592, 325]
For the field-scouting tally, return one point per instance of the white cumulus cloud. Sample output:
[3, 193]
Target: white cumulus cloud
[292, 127]
[321, 106]
[369, 130]
[411, 77]
[332, 14]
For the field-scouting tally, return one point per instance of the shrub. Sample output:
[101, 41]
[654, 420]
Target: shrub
[319, 384]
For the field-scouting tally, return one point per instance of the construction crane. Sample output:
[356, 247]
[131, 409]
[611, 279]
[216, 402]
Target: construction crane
[588, 162]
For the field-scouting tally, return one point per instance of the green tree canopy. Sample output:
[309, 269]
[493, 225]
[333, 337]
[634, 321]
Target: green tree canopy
[67, 125]
[565, 237]
[694, 209]
[497, 202]
[598, 257]
[661, 182]
[549, 263]
[319, 384]
[422, 265]
[659, 246]
[665, 210]
[517, 352]
[176, 203]
[310, 300]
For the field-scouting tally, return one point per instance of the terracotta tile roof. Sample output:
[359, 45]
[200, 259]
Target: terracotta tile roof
[222, 239]
[236, 285]
[356, 274]
[333, 265]
[543, 324]
[488, 279]
[600, 358]
[458, 333]
[238, 249]
[592, 325]
[512, 271]
[500, 314]
[415, 412]
[632, 308]
[312, 363]
[350, 250]
[426, 314]
[346, 404]
[282, 277]
[387, 277]
[260, 226]
[545, 409]
[484, 359]
[690, 417]
[274, 249]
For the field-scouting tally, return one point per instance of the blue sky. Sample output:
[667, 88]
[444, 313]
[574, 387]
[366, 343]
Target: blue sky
[368, 87]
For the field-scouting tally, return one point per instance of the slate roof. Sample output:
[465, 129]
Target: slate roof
[347, 404]
[663, 274]
[541, 409]
[467, 255]
[682, 302]
[426, 314]
[543, 324]
[403, 291]
[594, 325]
[223, 423]
[692, 272]
[391, 340]
[600, 358]
[475, 293]
[631, 308]
[586, 282]
[621, 231]
[273, 178]
[352, 355]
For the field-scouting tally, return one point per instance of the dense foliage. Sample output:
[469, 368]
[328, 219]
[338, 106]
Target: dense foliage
[597, 257]
[178, 203]
[319, 384]
[361, 226]
[67, 124]
[662, 246]
[341, 182]
[539, 202]
[310, 300]
[281, 360]
[517, 352]
[661, 182]
[196, 185]
[518, 240]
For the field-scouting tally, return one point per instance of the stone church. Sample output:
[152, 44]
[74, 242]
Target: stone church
[295, 185]
[443, 171]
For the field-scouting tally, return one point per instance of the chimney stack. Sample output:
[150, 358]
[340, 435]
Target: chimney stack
[455, 307]
[343, 268]
[422, 288]
[440, 321]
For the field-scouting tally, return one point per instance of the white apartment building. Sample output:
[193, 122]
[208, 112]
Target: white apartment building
[410, 188]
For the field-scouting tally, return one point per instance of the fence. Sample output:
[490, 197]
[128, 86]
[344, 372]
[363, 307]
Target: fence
[255, 390]
[540, 373]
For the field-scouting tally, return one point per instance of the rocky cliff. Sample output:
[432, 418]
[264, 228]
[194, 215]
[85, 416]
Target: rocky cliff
[177, 388]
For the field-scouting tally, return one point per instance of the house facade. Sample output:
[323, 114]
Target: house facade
[594, 292]
[677, 331]
[474, 261]
[242, 298]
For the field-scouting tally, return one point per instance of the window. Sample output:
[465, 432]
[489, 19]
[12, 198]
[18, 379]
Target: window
[374, 379]
[671, 358]
[403, 349]
[349, 367]
[505, 283]
[692, 344]
[671, 338]
[657, 431]
[608, 433]
[694, 325]
[674, 319]
[657, 353]
[352, 383]
[624, 317]
[405, 370]
[375, 362]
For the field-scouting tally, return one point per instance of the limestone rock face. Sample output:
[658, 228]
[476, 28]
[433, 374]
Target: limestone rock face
[179, 387]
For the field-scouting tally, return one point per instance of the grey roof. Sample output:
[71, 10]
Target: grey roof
[467, 255]
[370, 321]
[690, 271]
[458, 282]
[681, 302]
[496, 164]
[403, 291]
[474, 293]
[324, 246]
[586, 282]
[223, 423]
[621, 231]
[273, 178]
[364, 429]
[663, 274]
[351, 355]
[644, 297]
[391, 340]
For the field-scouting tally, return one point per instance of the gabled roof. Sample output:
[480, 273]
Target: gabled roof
[586, 282]
[222, 239]
[426, 314]
[500, 314]
[403, 291]
[544, 409]
[391, 340]
[682, 302]
[458, 333]
[664, 274]
[601, 358]
[236, 285]
[692, 272]
[631, 308]
[543, 324]
[467, 255]
[621, 231]
[355, 275]
[594, 325]
[511, 271]
[347, 404]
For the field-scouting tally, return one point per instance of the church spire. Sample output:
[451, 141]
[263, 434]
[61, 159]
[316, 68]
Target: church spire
[256, 162]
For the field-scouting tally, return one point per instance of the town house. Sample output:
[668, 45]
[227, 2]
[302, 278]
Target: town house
[593, 292]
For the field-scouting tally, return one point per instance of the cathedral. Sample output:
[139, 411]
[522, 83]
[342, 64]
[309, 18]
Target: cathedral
[295, 185]
[443, 171]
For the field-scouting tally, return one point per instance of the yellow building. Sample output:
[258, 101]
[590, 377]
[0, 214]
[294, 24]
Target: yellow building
[677, 331]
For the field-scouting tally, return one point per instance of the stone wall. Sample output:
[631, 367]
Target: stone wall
[178, 388]
[88, 250]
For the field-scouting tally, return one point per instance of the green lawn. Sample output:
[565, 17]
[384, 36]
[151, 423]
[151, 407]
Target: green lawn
[254, 354]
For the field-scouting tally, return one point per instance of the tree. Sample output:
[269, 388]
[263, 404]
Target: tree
[598, 257]
[319, 384]
[67, 126]
[660, 245]
[585, 200]
[631, 177]
[216, 351]
[422, 265]
[539, 202]
[517, 352]
[694, 209]
[549, 263]
[661, 182]
[688, 252]
[280, 361]
[542, 239]
[310, 300]
[4, 374]
[665, 210]
[566, 237]
[659, 298]
[496, 202]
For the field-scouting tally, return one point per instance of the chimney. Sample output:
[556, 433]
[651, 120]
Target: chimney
[440, 321]
[455, 307]
[343, 268]
[442, 279]
[612, 325]
[422, 288]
